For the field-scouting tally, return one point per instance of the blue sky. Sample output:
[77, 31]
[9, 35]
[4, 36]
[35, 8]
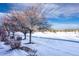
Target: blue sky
[62, 16]
[5, 7]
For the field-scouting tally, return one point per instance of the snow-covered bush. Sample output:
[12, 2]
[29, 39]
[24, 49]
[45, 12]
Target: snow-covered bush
[15, 44]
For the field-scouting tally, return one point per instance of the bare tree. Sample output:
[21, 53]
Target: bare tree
[9, 24]
[30, 19]
[36, 18]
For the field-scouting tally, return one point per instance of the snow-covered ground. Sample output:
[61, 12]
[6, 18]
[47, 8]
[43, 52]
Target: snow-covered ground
[61, 35]
[47, 44]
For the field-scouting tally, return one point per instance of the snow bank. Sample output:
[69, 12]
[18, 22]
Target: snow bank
[45, 47]
[19, 34]
[60, 35]
[17, 52]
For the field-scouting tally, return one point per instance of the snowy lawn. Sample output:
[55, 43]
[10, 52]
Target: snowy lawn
[47, 44]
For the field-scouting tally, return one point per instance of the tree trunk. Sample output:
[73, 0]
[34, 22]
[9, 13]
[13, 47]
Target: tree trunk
[24, 35]
[13, 33]
[8, 33]
[30, 37]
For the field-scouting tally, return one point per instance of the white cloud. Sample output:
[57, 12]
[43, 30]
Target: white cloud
[56, 10]
[66, 10]
[53, 10]
[65, 26]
